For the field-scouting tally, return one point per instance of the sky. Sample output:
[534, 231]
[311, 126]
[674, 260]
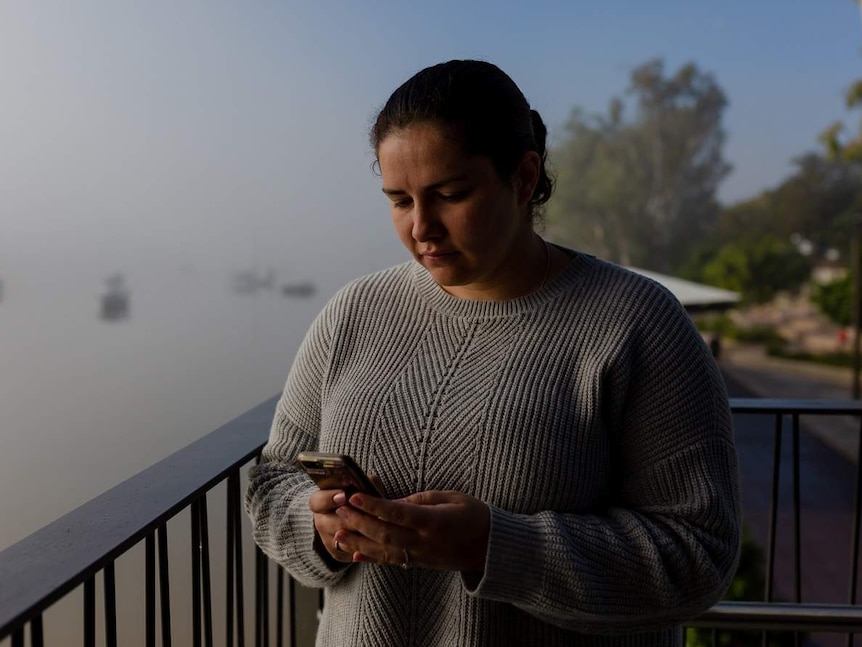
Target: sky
[209, 133]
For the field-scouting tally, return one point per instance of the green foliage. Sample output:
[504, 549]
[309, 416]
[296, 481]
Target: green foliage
[838, 148]
[720, 324]
[749, 584]
[729, 269]
[835, 300]
[758, 269]
[637, 185]
[818, 202]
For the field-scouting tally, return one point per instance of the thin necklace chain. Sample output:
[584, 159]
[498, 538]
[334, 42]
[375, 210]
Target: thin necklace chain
[547, 264]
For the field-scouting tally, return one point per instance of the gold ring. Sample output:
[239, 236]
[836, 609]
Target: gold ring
[406, 563]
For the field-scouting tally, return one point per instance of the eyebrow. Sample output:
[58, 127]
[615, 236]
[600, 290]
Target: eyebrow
[431, 187]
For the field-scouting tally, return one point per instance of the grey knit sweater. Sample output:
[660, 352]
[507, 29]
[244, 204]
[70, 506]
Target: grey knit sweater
[588, 415]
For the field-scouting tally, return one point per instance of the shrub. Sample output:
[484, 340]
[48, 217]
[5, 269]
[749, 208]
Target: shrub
[835, 300]
[749, 584]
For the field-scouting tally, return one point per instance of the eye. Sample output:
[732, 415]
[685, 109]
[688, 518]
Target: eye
[402, 204]
[454, 197]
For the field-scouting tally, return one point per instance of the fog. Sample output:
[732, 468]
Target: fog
[178, 144]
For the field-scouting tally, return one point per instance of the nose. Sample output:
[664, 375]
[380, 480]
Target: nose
[426, 224]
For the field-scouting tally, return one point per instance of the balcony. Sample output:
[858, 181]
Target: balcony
[110, 572]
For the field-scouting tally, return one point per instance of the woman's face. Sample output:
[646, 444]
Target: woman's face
[470, 229]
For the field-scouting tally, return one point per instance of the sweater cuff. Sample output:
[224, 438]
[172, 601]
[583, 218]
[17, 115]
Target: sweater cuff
[312, 556]
[511, 571]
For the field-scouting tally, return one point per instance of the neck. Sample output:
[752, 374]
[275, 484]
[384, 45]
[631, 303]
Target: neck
[528, 270]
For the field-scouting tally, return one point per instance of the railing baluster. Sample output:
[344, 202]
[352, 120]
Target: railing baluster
[857, 516]
[258, 597]
[279, 606]
[797, 520]
[232, 482]
[164, 586]
[264, 591]
[237, 526]
[196, 575]
[291, 589]
[90, 612]
[150, 588]
[259, 591]
[37, 637]
[773, 514]
[205, 567]
[18, 638]
[110, 605]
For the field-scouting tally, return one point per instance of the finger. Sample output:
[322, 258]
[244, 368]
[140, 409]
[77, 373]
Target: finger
[363, 549]
[328, 527]
[339, 550]
[432, 497]
[326, 500]
[327, 524]
[399, 512]
[377, 530]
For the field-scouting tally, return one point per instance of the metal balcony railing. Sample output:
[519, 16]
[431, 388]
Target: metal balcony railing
[69, 554]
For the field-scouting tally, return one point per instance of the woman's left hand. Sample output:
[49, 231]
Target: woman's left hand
[446, 530]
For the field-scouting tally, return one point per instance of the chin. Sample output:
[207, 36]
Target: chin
[447, 278]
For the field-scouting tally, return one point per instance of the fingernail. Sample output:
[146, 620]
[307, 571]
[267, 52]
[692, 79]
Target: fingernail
[356, 501]
[341, 512]
[339, 499]
[359, 557]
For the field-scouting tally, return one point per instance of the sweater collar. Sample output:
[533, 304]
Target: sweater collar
[453, 306]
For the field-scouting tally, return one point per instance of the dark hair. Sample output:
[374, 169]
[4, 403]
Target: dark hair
[487, 112]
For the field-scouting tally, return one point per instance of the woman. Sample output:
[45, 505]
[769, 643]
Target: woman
[550, 431]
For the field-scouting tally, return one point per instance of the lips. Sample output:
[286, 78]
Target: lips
[437, 254]
[438, 258]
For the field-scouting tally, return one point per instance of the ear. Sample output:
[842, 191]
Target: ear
[526, 177]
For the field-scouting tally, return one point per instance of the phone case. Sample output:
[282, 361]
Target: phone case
[336, 472]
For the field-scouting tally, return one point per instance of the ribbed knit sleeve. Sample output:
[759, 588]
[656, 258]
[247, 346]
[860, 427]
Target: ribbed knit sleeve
[278, 492]
[666, 545]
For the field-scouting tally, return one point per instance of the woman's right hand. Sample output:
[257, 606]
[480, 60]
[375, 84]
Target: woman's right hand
[323, 504]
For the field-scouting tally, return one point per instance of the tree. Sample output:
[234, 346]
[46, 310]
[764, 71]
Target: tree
[816, 202]
[836, 300]
[837, 146]
[757, 268]
[595, 207]
[641, 191]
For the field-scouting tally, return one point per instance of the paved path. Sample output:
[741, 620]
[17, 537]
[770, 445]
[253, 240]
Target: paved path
[827, 476]
[772, 377]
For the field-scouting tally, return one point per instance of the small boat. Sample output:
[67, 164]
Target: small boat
[249, 282]
[303, 290]
[115, 300]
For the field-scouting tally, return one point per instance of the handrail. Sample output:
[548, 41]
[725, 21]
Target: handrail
[781, 616]
[42, 568]
[800, 406]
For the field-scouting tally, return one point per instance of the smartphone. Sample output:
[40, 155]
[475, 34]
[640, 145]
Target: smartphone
[336, 472]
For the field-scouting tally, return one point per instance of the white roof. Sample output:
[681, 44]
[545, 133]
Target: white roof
[694, 296]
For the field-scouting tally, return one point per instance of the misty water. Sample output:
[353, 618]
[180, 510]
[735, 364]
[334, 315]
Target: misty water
[86, 403]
